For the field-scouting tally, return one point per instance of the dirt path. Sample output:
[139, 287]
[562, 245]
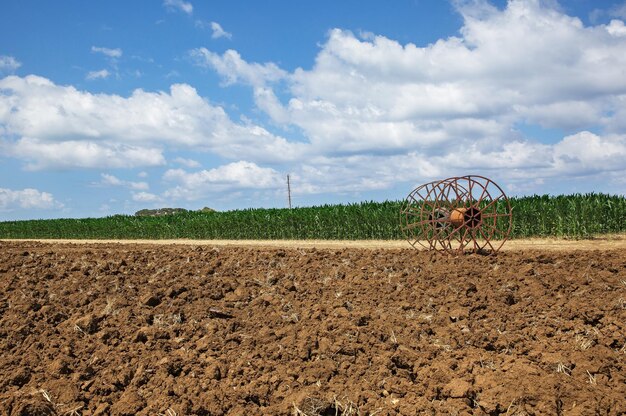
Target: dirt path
[610, 242]
[145, 329]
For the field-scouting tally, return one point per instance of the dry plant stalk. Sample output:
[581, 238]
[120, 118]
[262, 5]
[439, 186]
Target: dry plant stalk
[592, 379]
[562, 368]
[313, 406]
[583, 342]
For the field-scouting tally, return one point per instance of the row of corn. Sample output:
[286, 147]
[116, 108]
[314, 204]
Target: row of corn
[576, 216]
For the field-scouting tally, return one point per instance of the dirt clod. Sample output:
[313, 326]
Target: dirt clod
[457, 388]
[88, 324]
[151, 300]
[20, 376]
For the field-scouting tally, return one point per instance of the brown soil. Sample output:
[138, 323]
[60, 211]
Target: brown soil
[221, 330]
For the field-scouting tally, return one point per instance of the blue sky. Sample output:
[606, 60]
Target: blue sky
[110, 107]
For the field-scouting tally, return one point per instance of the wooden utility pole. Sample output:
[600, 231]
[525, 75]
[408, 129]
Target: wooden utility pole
[289, 191]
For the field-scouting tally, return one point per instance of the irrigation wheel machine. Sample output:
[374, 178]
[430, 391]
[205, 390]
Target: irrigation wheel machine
[457, 214]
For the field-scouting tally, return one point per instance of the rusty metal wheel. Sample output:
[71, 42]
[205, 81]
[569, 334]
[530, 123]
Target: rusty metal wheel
[457, 214]
[422, 218]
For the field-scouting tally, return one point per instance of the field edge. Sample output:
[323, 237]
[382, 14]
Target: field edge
[606, 242]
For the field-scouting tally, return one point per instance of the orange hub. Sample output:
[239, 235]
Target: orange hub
[470, 217]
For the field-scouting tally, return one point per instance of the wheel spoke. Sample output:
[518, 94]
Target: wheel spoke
[411, 213]
[495, 215]
[417, 224]
[487, 239]
[482, 194]
[494, 228]
[493, 201]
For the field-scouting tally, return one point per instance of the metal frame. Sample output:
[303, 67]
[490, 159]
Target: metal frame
[457, 214]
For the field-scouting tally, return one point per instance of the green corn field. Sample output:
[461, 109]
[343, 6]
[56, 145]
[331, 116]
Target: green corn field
[572, 216]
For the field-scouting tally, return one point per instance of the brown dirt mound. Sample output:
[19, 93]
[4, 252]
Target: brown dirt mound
[139, 329]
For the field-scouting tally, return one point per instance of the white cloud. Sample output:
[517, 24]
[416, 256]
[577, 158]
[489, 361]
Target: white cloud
[234, 69]
[587, 153]
[64, 127]
[138, 185]
[616, 28]
[369, 114]
[26, 199]
[110, 180]
[190, 163]
[181, 5]
[218, 32]
[111, 53]
[8, 63]
[522, 56]
[101, 74]
[69, 154]
[451, 106]
[579, 155]
[233, 176]
[145, 197]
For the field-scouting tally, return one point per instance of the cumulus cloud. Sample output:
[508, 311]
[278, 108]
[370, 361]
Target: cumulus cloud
[26, 199]
[616, 28]
[587, 153]
[364, 91]
[190, 163]
[453, 105]
[370, 113]
[67, 154]
[180, 5]
[583, 154]
[60, 126]
[145, 197]
[218, 32]
[110, 180]
[112, 56]
[234, 69]
[111, 53]
[8, 64]
[233, 176]
[101, 74]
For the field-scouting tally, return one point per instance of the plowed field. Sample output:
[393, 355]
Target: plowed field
[127, 329]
